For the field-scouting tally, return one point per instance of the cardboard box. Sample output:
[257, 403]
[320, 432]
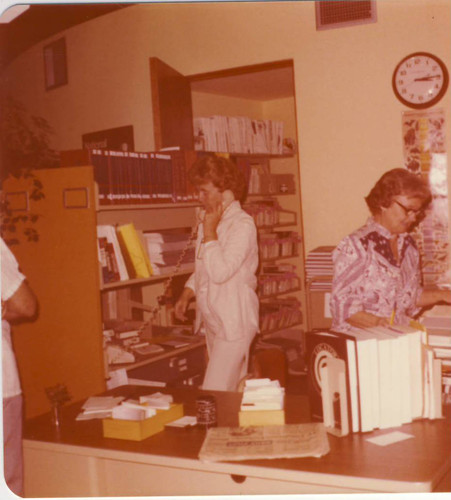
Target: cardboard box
[137, 430]
[261, 417]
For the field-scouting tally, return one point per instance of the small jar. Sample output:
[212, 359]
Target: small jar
[206, 411]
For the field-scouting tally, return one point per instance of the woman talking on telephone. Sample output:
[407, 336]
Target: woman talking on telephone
[224, 280]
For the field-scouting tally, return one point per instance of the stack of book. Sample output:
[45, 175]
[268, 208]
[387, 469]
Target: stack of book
[278, 244]
[437, 322]
[137, 177]
[392, 375]
[277, 278]
[280, 313]
[121, 253]
[125, 252]
[319, 268]
[438, 325]
[238, 134]
[269, 213]
[165, 250]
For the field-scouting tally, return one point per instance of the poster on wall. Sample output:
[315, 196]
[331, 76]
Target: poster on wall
[425, 154]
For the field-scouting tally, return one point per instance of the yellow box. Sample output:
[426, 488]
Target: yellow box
[137, 430]
[261, 417]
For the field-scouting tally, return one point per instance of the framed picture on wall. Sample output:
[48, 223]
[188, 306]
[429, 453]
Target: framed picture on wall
[55, 64]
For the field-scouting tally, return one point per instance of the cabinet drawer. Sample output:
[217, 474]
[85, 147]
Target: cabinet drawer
[173, 369]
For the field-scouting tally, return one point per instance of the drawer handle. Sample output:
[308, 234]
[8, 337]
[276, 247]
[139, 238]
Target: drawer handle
[173, 362]
[238, 478]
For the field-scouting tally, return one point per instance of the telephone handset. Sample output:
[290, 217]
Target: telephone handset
[227, 198]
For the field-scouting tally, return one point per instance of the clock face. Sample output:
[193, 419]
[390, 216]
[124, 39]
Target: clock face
[420, 80]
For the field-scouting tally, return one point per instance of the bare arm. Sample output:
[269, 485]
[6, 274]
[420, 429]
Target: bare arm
[182, 303]
[364, 319]
[22, 304]
[431, 296]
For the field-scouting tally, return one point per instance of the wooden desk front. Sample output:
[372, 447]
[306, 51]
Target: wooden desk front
[76, 460]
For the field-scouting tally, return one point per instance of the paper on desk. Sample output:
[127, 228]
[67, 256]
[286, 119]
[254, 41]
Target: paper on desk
[98, 407]
[99, 403]
[186, 421]
[389, 438]
[271, 441]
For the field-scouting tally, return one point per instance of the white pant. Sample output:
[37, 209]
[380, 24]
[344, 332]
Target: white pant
[227, 363]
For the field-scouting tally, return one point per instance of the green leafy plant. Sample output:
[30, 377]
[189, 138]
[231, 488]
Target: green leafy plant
[58, 394]
[25, 148]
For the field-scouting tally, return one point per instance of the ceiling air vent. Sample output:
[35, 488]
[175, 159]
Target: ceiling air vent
[340, 13]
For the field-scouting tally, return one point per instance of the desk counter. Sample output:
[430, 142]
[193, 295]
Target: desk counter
[75, 459]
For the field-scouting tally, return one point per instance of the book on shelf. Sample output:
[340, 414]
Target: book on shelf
[125, 177]
[238, 134]
[108, 232]
[116, 306]
[165, 250]
[134, 252]
[319, 267]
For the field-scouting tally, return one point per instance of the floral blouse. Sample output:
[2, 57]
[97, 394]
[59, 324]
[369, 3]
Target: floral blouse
[368, 278]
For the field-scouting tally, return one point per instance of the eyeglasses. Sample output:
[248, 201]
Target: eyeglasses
[410, 211]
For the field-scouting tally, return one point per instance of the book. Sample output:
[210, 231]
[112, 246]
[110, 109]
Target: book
[368, 375]
[109, 232]
[390, 384]
[137, 255]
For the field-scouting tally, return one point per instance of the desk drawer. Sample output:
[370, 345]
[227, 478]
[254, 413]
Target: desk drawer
[174, 370]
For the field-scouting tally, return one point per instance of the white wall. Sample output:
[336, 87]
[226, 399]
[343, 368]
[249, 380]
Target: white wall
[349, 121]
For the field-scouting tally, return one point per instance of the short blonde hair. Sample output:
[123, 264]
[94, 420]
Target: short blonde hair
[222, 172]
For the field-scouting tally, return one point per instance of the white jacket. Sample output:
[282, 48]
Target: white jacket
[224, 280]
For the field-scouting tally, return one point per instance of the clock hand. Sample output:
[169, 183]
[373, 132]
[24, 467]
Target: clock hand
[426, 78]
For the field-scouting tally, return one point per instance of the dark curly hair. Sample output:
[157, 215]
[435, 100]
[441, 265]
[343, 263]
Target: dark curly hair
[398, 181]
[221, 171]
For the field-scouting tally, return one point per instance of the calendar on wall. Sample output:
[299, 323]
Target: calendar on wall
[425, 154]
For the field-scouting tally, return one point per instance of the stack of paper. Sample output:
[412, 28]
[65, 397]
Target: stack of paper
[130, 410]
[262, 394]
[99, 407]
[157, 400]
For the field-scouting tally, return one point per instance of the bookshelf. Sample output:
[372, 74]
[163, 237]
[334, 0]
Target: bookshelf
[65, 343]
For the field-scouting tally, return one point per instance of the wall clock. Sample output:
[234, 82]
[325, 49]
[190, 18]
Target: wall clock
[420, 80]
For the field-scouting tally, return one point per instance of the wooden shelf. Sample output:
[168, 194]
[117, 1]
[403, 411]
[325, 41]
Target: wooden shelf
[252, 155]
[273, 295]
[280, 258]
[274, 330]
[275, 226]
[142, 281]
[146, 206]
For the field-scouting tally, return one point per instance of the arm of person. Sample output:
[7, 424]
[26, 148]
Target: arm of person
[21, 305]
[182, 303]
[432, 296]
[364, 319]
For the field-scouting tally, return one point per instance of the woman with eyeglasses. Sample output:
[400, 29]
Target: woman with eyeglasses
[377, 276]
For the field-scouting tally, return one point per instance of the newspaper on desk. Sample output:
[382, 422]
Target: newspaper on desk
[272, 441]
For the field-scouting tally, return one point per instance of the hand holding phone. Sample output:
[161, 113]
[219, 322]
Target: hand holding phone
[213, 216]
